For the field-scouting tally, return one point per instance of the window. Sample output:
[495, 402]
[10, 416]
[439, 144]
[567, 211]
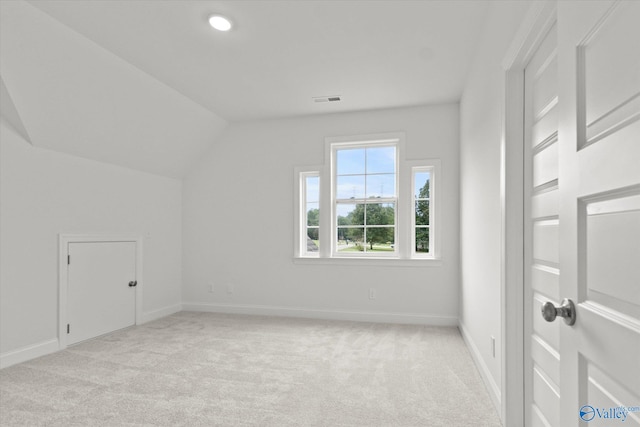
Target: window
[311, 223]
[421, 212]
[365, 189]
[367, 202]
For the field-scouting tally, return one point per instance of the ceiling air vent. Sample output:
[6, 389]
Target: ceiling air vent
[333, 98]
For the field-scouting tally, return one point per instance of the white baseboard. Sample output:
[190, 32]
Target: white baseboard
[360, 316]
[489, 381]
[29, 352]
[162, 312]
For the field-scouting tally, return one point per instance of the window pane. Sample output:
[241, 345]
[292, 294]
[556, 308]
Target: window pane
[365, 198]
[380, 214]
[313, 214]
[313, 243]
[350, 187]
[422, 181]
[350, 161]
[313, 188]
[381, 185]
[380, 239]
[422, 212]
[350, 214]
[422, 240]
[350, 239]
[381, 160]
[313, 234]
[309, 227]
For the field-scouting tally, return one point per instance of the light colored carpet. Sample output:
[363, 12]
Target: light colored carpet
[203, 369]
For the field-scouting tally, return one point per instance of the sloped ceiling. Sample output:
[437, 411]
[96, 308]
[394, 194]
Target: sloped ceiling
[76, 97]
[9, 113]
[281, 53]
[147, 84]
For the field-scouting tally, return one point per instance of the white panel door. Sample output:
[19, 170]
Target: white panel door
[599, 211]
[101, 295]
[542, 258]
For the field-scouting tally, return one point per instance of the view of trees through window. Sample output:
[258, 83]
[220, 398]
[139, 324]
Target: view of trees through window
[376, 236]
[421, 198]
[312, 198]
[366, 199]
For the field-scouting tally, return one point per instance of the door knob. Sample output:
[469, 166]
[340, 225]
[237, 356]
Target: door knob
[566, 310]
[133, 283]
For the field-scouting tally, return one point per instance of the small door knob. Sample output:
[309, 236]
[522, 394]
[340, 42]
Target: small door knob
[566, 310]
[133, 283]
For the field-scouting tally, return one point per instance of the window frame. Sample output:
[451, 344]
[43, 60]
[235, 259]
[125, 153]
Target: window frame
[300, 245]
[432, 207]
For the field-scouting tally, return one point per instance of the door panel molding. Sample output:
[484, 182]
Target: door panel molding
[63, 278]
[605, 104]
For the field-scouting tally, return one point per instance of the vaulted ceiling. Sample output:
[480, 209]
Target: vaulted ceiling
[147, 84]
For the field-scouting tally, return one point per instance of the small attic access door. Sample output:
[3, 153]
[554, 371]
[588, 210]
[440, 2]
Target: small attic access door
[100, 287]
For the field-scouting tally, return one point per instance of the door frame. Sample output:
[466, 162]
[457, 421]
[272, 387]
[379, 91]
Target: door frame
[539, 19]
[63, 276]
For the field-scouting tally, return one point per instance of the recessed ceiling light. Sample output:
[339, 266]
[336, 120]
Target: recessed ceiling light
[220, 23]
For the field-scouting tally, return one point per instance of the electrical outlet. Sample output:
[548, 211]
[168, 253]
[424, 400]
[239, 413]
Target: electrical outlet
[212, 288]
[493, 346]
[372, 293]
[229, 288]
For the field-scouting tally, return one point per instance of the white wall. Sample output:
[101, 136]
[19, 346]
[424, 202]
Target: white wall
[238, 223]
[44, 193]
[480, 218]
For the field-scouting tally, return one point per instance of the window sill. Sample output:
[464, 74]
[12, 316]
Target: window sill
[370, 262]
